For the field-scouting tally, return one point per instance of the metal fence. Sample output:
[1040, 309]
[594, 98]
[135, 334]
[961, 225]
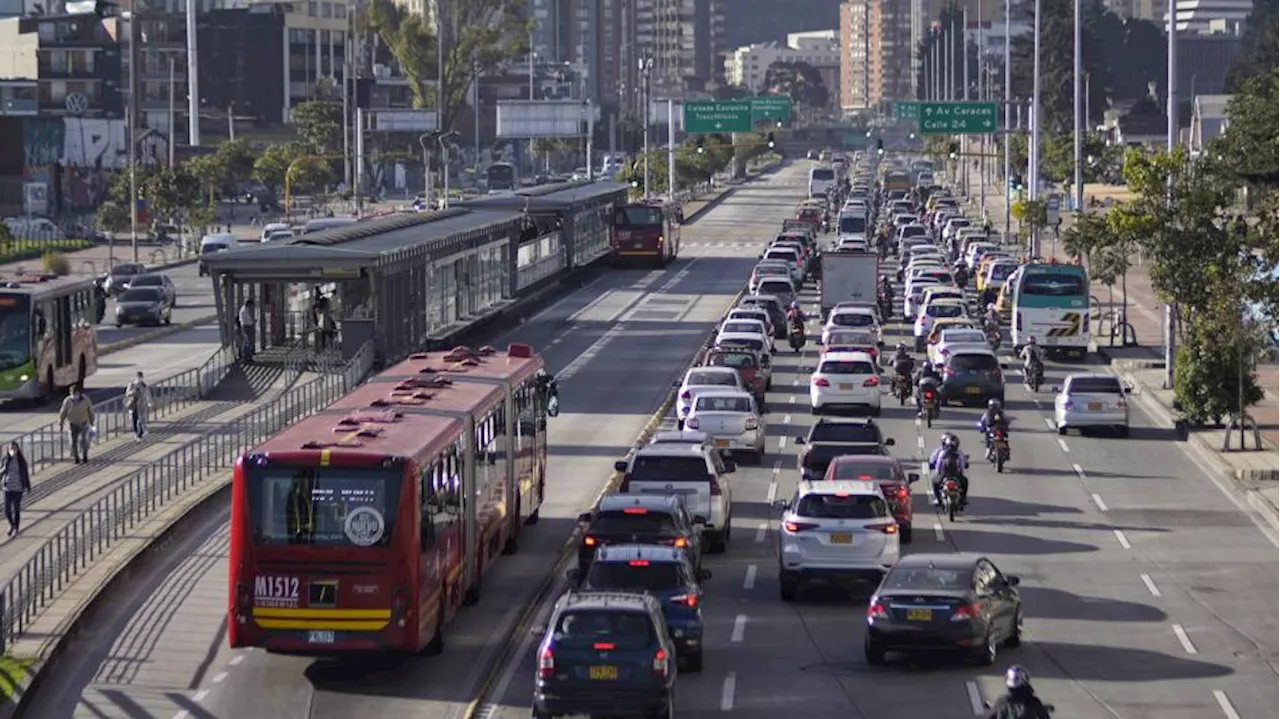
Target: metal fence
[136, 498]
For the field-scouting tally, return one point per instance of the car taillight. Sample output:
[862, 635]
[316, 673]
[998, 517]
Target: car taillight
[680, 542]
[589, 541]
[691, 423]
[871, 382]
[820, 382]
[686, 394]
[966, 613]
[546, 664]
[604, 646]
[885, 528]
[244, 602]
[1121, 404]
[995, 373]
[902, 493]
[715, 486]
[928, 395]
[752, 423]
[689, 600]
[796, 527]
[877, 610]
[661, 664]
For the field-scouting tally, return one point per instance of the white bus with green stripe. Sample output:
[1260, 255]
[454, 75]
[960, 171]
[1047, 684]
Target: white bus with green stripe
[1051, 304]
[47, 340]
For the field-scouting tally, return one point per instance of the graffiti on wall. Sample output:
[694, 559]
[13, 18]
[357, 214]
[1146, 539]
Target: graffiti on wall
[75, 156]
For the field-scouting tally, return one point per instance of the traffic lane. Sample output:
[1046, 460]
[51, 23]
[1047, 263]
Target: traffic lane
[164, 357]
[195, 301]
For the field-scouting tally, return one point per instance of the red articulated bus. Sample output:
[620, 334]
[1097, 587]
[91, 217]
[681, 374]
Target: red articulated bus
[365, 527]
[645, 231]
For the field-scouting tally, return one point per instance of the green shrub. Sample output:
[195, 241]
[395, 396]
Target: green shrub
[1207, 374]
[57, 263]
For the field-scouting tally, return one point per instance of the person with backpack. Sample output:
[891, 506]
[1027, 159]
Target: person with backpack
[15, 476]
[137, 399]
[948, 461]
[1020, 701]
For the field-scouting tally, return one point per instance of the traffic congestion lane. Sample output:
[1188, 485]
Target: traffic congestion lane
[644, 359]
[195, 301]
[163, 357]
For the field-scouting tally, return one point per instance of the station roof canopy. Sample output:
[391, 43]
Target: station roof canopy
[370, 243]
[547, 198]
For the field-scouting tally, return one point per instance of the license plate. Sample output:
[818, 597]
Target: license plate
[841, 538]
[920, 615]
[606, 672]
[722, 443]
[320, 637]
[971, 390]
[846, 386]
[1095, 406]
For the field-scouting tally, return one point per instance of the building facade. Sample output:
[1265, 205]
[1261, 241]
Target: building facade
[855, 54]
[73, 59]
[877, 49]
[748, 65]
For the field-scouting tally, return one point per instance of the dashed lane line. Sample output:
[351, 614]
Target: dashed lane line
[761, 531]
[1063, 444]
[1097, 500]
[938, 532]
[975, 698]
[1184, 640]
[726, 692]
[1123, 540]
[1151, 586]
[1225, 704]
[749, 581]
[739, 629]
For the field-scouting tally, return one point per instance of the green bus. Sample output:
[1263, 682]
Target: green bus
[47, 337]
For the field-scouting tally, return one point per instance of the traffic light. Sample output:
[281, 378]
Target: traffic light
[636, 180]
[701, 145]
[953, 149]
[769, 139]
[880, 147]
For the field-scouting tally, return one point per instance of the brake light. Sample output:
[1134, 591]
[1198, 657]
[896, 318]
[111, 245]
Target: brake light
[400, 605]
[691, 423]
[661, 664]
[966, 613]
[1121, 404]
[995, 374]
[602, 646]
[796, 527]
[635, 510]
[821, 382]
[887, 528]
[715, 486]
[902, 492]
[679, 542]
[872, 382]
[546, 664]
[752, 423]
[686, 395]
[928, 394]
[877, 610]
[689, 600]
[952, 486]
[638, 563]
[589, 541]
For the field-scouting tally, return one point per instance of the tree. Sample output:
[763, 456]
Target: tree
[799, 81]
[208, 171]
[272, 165]
[1253, 121]
[1057, 71]
[479, 36]
[309, 172]
[237, 158]
[1213, 373]
[319, 126]
[1258, 54]
[111, 218]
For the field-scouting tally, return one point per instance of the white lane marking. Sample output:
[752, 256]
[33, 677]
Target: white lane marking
[975, 698]
[1225, 704]
[1049, 423]
[1151, 586]
[1097, 499]
[1063, 444]
[760, 532]
[220, 677]
[786, 419]
[236, 659]
[773, 492]
[938, 533]
[181, 715]
[726, 692]
[1078, 470]
[791, 399]
[200, 695]
[782, 443]
[749, 582]
[590, 352]
[920, 441]
[795, 382]
[1184, 640]
[739, 629]
[1123, 540]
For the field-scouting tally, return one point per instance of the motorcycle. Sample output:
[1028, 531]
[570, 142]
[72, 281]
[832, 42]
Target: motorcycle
[993, 338]
[998, 448]
[951, 497]
[902, 388]
[929, 406]
[796, 338]
[1034, 376]
[886, 306]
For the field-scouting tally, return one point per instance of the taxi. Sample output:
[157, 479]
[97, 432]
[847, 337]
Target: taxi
[949, 323]
[996, 272]
[1004, 301]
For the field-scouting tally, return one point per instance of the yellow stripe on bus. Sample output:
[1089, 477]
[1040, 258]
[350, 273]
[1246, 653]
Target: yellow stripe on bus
[324, 457]
[298, 613]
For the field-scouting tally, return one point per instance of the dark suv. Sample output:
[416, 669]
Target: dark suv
[605, 654]
[664, 572]
[658, 519]
[828, 439]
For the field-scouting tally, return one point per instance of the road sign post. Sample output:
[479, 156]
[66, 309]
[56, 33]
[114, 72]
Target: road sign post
[770, 108]
[717, 116]
[958, 118]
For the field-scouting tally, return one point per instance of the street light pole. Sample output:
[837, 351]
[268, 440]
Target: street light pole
[1008, 120]
[1171, 141]
[444, 165]
[425, 141]
[1033, 172]
[173, 113]
[133, 140]
[1078, 107]
[646, 66]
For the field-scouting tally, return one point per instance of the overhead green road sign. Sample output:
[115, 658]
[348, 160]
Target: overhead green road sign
[776, 108]
[906, 110]
[958, 118]
[717, 116]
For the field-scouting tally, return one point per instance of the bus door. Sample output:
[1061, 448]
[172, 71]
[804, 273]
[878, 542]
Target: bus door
[62, 331]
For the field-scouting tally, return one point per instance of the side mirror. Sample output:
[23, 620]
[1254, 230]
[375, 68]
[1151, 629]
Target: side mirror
[913, 477]
[584, 518]
[730, 467]
[573, 575]
[620, 465]
[890, 442]
[553, 406]
[799, 440]
[1012, 580]
[704, 574]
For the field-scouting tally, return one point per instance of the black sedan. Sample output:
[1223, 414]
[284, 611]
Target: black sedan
[944, 603]
[143, 306]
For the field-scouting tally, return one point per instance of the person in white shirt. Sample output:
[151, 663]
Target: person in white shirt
[245, 321]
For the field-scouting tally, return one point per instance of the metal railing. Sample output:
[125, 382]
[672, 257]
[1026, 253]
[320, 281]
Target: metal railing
[51, 444]
[136, 498]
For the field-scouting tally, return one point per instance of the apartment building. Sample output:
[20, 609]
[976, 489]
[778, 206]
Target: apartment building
[73, 60]
[877, 49]
[748, 65]
[855, 55]
[688, 42]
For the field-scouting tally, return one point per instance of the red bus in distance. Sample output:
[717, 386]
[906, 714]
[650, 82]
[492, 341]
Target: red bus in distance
[642, 232]
[365, 527]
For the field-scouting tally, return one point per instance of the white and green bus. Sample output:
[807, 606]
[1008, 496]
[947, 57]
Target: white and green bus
[47, 339]
[1051, 303]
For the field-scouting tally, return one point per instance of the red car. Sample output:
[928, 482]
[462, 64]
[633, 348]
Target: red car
[888, 471]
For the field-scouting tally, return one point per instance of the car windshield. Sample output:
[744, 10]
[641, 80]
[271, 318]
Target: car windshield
[624, 631]
[722, 404]
[737, 360]
[944, 310]
[330, 506]
[864, 470]
[852, 319]
[964, 337]
[141, 295]
[913, 231]
[959, 222]
[637, 217]
[637, 521]
[781, 254]
[15, 330]
[126, 270]
[639, 575]
[846, 367]
[853, 224]
[754, 315]
[844, 432]
[772, 270]
[748, 342]
[1094, 385]
[776, 287]
[841, 506]
[147, 281]
[962, 363]
[741, 326]
[705, 379]
[823, 175]
[668, 469]
[928, 579]
[853, 339]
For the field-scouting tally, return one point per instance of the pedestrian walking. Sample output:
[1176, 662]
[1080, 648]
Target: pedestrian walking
[77, 411]
[16, 481]
[137, 399]
[246, 320]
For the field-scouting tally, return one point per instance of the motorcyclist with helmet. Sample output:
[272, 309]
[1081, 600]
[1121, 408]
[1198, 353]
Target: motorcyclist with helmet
[795, 316]
[991, 320]
[960, 271]
[904, 365]
[1032, 359]
[994, 418]
[927, 379]
[1020, 701]
[948, 461]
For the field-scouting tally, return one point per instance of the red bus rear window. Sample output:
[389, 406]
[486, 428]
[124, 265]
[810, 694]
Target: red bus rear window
[633, 217]
[331, 506]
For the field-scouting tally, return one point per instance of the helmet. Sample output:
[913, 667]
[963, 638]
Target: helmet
[1015, 677]
[901, 349]
[991, 305]
[993, 403]
[795, 304]
[1031, 340]
[951, 441]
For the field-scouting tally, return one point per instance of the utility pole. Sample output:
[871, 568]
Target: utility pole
[1033, 171]
[646, 65]
[193, 79]
[134, 34]
[671, 150]
[173, 113]
[1171, 309]
[1078, 107]
[1008, 121]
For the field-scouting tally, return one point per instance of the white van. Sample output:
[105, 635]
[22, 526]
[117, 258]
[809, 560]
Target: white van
[269, 229]
[209, 244]
[821, 179]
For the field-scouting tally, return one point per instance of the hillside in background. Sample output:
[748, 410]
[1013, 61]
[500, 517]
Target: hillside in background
[753, 21]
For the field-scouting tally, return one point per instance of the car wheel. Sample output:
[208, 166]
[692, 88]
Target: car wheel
[817, 411]
[1062, 429]
[873, 651]
[986, 654]
[904, 533]
[693, 662]
[1015, 634]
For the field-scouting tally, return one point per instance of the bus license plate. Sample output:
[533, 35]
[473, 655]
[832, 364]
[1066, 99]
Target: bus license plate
[605, 672]
[321, 637]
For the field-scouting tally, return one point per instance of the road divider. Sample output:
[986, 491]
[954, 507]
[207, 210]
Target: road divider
[155, 334]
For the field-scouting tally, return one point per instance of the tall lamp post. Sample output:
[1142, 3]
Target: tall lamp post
[646, 68]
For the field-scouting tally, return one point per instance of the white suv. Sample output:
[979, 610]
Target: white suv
[834, 531]
[935, 309]
[695, 472]
[845, 380]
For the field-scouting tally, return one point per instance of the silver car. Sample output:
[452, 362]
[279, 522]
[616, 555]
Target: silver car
[697, 380]
[1092, 401]
[733, 421]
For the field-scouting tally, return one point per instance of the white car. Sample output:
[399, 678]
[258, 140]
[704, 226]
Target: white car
[752, 341]
[845, 380]
[907, 243]
[748, 327]
[695, 472]
[913, 292]
[940, 292]
[852, 341]
[699, 379]
[752, 313]
[732, 420]
[912, 230]
[1092, 401]
[791, 257]
[974, 254]
[937, 309]
[833, 529]
[272, 227]
[924, 250]
[953, 225]
[847, 318]
[768, 269]
[858, 245]
[960, 339]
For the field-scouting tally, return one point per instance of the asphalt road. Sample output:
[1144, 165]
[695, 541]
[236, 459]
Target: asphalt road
[1147, 592]
[195, 300]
